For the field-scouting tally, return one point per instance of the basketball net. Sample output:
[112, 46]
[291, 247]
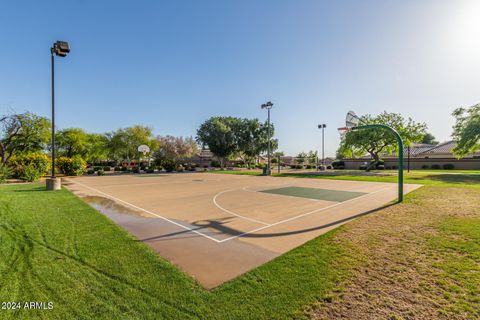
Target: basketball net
[343, 131]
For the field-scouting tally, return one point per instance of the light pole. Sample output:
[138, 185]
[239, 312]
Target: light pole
[268, 106]
[323, 126]
[61, 49]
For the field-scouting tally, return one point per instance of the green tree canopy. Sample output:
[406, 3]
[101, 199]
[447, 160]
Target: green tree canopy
[22, 133]
[252, 137]
[466, 131]
[220, 135]
[228, 136]
[429, 139]
[97, 147]
[123, 143]
[374, 141]
[72, 142]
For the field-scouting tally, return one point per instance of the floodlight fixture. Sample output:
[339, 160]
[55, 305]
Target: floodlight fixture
[267, 105]
[61, 48]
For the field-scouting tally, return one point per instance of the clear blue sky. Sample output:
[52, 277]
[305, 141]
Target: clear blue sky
[171, 65]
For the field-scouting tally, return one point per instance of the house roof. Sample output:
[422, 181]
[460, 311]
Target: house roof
[418, 148]
[445, 147]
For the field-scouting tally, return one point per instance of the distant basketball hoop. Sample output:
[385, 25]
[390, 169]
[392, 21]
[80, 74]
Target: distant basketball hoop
[144, 149]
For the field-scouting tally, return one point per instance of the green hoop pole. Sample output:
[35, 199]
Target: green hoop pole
[400, 153]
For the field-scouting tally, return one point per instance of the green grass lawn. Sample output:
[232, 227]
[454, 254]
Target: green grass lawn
[54, 247]
[452, 178]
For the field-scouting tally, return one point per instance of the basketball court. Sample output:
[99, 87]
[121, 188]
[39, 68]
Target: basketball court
[218, 226]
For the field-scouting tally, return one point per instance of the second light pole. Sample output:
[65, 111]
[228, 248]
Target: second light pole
[323, 126]
[268, 106]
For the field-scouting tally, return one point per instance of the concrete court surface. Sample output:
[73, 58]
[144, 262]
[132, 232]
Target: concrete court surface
[218, 226]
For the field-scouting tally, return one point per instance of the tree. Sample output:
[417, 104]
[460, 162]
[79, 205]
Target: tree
[220, 135]
[428, 138]
[466, 131]
[72, 142]
[123, 143]
[377, 140]
[229, 136]
[22, 133]
[97, 147]
[301, 157]
[252, 137]
[171, 147]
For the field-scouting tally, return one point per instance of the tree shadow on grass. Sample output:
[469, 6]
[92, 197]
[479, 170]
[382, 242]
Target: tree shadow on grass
[451, 178]
[36, 189]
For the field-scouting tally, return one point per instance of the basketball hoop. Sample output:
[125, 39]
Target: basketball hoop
[351, 119]
[144, 149]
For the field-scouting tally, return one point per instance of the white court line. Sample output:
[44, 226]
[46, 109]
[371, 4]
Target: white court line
[149, 212]
[301, 215]
[233, 213]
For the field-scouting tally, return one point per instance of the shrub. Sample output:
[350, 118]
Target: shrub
[150, 170]
[435, 166]
[74, 166]
[215, 164]
[96, 168]
[124, 169]
[107, 168]
[448, 166]
[180, 168]
[136, 170]
[337, 163]
[425, 166]
[5, 173]
[23, 166]
[31, 173]
[168, 165]
[79, 166]
[309, 166]
[100, 172]
[117, 169]
[90, 171]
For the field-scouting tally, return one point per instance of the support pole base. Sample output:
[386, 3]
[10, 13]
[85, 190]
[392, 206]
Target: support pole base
[54, 184]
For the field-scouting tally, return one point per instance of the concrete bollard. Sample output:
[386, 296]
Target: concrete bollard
[54, 184]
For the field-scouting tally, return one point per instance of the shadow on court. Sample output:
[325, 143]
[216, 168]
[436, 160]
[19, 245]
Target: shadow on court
[219, 225]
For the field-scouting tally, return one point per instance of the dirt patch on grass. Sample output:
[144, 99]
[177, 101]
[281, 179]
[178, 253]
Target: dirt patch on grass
[409, 264]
